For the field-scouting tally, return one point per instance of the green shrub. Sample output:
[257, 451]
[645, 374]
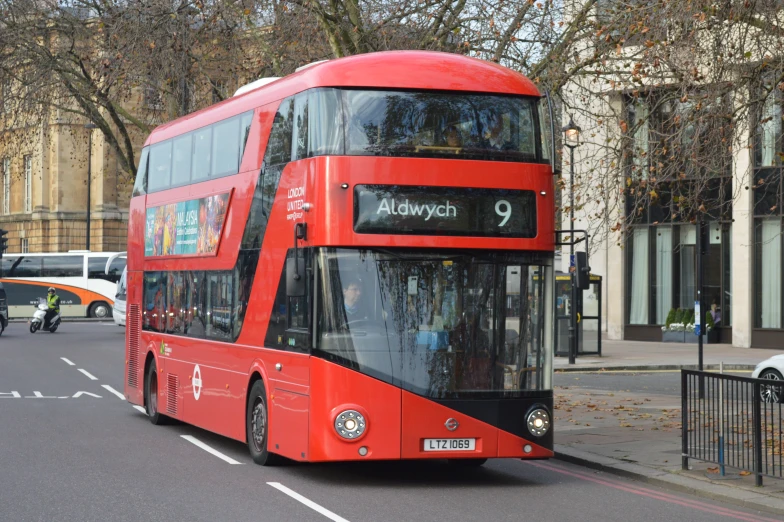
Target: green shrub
[688, 317]
[678, 316]
[671, 317]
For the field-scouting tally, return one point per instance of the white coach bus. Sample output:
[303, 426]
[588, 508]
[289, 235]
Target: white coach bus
[86, 288]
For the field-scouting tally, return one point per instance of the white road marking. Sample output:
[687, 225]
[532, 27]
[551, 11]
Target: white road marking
[38, 395]
[140, 408]
[120, 395]
[312, 505]
[88, 374]
[13, 395]
[200, 444]
[67, 361]
[79, 394]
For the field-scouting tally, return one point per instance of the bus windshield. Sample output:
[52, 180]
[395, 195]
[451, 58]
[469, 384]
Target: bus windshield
[465, 325]
[432, 124]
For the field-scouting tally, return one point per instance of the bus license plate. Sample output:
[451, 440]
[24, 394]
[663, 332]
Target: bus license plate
[450, 444]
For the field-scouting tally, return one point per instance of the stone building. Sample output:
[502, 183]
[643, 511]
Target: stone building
[44, 197]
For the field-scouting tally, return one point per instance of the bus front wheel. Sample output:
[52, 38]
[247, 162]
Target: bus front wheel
[257, 426]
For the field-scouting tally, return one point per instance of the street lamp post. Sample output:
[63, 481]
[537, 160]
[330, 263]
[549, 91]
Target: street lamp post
[89, 127]
[572, 140]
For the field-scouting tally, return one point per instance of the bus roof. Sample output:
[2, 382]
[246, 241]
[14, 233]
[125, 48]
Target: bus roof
[421, 70]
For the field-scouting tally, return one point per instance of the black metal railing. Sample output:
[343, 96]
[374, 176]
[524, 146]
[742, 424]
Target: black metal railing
[732, 421]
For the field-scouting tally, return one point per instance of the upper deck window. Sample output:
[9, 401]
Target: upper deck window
[209, 152]
[436, 124]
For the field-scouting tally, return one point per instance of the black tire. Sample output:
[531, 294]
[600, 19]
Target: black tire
[2, 327]
[34, 327]
[467, 463]
[257, 426]
[100, 310]
[772, 394]
[53, 328]
[151, 396]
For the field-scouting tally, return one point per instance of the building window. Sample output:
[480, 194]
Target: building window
[638, 277]
[6, 186]
[673, 170]
[25, 246]
[768, 273]
[28, 183]
[767, 186]
[663, 267]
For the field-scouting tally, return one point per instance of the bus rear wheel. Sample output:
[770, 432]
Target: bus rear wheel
[257, 426]
[151, 396]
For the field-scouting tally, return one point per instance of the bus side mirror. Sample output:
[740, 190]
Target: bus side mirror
[295, 277]
[582, 272]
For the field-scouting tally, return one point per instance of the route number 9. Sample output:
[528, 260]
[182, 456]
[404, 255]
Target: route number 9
[504, 210]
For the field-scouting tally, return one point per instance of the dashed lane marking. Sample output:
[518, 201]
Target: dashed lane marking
[196, 442]
[88, 374]
[140, 408]
[67, 361]
[312, 505]
[120, 395]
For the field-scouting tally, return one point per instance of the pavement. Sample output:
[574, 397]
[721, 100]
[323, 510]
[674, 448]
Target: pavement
[637, 434]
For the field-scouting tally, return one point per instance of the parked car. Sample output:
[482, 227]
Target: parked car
[772, 369]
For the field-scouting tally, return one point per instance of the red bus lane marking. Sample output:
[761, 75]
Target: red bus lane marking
[312, 505]
[638, 490]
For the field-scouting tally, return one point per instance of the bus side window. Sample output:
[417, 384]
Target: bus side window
[245, 123]
[175, 300]
[140, 184]
[299, 148]
[159, 175]
[279, 146]
[219, 292]
[194, 317]
[154, 297]
[289, 321]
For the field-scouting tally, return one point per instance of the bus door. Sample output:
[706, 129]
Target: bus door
[289, 332]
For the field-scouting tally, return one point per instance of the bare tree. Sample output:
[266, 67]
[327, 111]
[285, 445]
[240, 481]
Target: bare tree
[124, 66]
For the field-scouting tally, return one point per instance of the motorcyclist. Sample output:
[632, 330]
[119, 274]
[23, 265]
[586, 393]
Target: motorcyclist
[53, 303]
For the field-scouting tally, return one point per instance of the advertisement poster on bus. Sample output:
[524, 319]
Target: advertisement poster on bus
[188, 227]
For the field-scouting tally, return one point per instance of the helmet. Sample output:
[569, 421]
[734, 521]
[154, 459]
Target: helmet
[51, 290]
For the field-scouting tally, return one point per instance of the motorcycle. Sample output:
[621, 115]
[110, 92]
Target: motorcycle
[39, 318]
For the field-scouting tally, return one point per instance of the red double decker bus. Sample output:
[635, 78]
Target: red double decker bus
[353, 262]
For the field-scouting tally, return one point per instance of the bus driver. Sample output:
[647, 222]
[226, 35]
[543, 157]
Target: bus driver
[352, 293]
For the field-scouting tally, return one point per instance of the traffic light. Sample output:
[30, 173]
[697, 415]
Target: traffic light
[582, 271]
[3, 242]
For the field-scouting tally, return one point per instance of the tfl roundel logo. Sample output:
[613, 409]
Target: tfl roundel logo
[451, 424]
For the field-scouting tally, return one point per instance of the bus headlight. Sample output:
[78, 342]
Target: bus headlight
[350, 424]
[538, 422]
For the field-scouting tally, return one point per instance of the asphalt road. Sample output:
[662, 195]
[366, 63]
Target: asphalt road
[72, 450]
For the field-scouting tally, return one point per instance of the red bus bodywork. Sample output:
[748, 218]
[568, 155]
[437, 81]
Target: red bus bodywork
[306, 392]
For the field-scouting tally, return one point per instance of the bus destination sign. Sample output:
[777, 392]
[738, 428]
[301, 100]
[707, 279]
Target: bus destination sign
[444, 211]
